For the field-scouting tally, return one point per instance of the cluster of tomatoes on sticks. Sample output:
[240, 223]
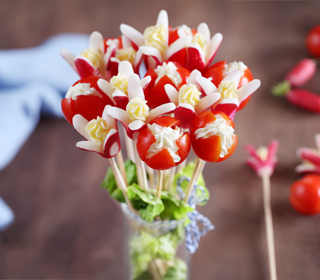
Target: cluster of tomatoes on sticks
[180, 102]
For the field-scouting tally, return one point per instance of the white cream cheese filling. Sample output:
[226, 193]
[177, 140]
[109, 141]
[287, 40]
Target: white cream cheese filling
[220, 128]
[80, 89]
[228, 68]
[170, 70]
[165, 139]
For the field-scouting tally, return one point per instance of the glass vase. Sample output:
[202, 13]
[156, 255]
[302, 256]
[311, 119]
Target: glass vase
[154, 250]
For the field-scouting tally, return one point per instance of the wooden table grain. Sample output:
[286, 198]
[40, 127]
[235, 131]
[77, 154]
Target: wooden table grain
[67, 227]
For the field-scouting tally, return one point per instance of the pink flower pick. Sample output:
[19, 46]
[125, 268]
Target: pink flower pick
[310, 158]
[263, 160]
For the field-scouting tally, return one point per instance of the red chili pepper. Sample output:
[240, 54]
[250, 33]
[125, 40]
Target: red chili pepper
[304, 99]
[302, 72]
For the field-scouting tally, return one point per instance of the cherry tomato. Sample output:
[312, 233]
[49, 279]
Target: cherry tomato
[305, 195]
[313, 41]
[88, 106]
[155, 93]
[216, 73]
[162, 160]
[209, 148]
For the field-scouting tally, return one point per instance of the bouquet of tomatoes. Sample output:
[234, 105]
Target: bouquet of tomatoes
[181, 102]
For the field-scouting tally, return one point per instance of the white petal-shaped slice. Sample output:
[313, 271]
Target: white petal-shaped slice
[110, 121]
[110, 133]
[245, 91]
[160, 110]
[301, 168]
[114, 59]
[206, 85]
[69, 57]
[133, 34]
[150, 51]
[136, 125]
[317, 139]
[89, 146]
[80, 123]
[109, 53]
[119, 114]
[126, 43]
[114, 150]
[96, 41]
[213, 47]
[206, 102]
[106, 87]
[191, 80]
[172, 93]
[177, 45]
[229, 101]
[163, 19]
[233, 76]
[134, 87]
[118, 93]
[204, 30]
[125, 68]
[138, 58]
[145, 81]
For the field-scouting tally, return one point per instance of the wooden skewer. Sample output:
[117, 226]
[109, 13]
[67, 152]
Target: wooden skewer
[170, 179]
[269, 226]
[150, 172]
[120, 182]
[159, 182]
[195, 175]
[121, 167]
[129, 147]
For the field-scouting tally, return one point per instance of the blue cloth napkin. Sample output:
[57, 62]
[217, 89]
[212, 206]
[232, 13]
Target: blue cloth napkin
[6, 215]
[32, 82]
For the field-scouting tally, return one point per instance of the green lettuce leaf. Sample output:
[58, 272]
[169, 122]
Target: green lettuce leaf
[147, 204]
[110, 184]
[174, 209]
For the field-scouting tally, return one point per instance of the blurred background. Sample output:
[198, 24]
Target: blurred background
[66, 226]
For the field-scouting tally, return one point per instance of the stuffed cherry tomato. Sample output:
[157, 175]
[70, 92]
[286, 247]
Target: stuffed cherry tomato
[163, 144]
[305, 195]
[212, 136]
[167, 73]
[85, 98]
[219, 70]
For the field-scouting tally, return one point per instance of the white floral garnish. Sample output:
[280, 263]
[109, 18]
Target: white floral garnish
[189, 94]
[97, 130]
[228, 89]
[80, 89]
[155, 36]
[170, 70]
[165, 139]
[220, 128]
[137, 109]
[93, 55]
[229, 67]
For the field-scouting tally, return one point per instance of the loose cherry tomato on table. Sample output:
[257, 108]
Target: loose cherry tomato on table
[313, 41]
[85, 98]
[212, 136]
[162, 144]
[305, 195]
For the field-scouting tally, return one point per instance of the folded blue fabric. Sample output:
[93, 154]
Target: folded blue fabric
[32, 82]
[6, 215]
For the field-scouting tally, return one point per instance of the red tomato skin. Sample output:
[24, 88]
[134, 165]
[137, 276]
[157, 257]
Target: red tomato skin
[209, 149]
[162, 160]
[144, 141]
[88, 106]
[305, 195]
[313, 41]
[215, 72]
[231, 150]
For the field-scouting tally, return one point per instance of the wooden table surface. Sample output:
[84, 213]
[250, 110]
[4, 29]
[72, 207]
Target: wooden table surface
[67, 227]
